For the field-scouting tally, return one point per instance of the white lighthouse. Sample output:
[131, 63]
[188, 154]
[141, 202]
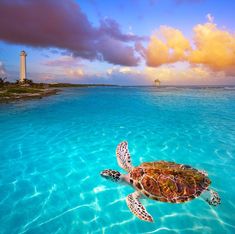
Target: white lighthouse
[23, 66]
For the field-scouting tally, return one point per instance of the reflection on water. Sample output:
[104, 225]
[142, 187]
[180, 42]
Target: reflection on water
[52, 151]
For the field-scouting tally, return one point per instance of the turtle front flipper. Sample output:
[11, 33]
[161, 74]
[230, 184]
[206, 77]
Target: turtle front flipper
[123, 156]
[137, 208]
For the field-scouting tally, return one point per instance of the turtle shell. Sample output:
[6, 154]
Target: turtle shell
[169, 181]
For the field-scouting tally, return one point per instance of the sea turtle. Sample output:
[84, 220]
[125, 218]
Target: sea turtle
[161, 180]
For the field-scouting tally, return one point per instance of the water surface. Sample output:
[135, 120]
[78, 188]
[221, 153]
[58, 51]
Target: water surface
[53, 149]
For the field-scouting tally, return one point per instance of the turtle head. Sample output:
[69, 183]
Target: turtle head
[110, 174]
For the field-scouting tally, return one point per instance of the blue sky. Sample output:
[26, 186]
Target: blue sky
[119, 42]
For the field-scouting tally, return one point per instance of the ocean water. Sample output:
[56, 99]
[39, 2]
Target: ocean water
[53, 149]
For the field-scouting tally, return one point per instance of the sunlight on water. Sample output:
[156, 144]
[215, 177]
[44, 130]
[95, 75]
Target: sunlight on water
[52, 151]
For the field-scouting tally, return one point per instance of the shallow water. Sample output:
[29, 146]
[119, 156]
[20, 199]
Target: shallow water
[52, 151]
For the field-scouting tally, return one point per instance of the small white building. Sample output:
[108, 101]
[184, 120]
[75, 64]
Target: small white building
[22, 66]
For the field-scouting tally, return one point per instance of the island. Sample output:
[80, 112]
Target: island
[25, 88]
[18, 90]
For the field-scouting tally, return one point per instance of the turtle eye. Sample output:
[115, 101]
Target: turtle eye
[104, 173]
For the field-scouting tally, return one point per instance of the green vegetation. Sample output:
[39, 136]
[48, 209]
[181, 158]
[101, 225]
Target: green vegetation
[28, 89]
[20, 89]
[2, 81]
[26, 82]
[64, 85]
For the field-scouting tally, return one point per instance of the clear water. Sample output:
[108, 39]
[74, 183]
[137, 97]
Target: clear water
[52, 151]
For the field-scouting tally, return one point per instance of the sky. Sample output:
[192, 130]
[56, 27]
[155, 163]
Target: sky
[123, 42]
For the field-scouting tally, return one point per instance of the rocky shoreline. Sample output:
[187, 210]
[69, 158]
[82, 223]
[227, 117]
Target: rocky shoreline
[6, 96]
[12, 91]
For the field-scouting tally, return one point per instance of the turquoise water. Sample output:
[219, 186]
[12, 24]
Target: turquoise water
[52, 151]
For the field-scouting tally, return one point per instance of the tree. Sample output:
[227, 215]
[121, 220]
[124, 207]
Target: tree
[2, 81]
[28, 81]
[25, 82]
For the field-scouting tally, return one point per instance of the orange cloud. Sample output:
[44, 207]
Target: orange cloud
[180, 73]
[74, 72]
[176, 74]
[168, 45]
[212, 47]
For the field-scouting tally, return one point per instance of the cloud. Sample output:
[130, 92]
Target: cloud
[66, 66]
[125, 76]
[111, 28]
[122, 70]
[113, 51]
[62, 24]
[215, 47]
[167, 45]
[211, 46]
[63, 61]
[74, 72]
[2, 69]
[210, 18]
[183, 73]
[180, 73]
[140, 49]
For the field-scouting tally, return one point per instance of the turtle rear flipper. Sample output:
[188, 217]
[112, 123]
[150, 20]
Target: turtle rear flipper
[212, 197]
[123, 156]
[137, 208]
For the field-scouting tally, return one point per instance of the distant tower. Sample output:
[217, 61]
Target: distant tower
[22, 66]
[157, 82]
